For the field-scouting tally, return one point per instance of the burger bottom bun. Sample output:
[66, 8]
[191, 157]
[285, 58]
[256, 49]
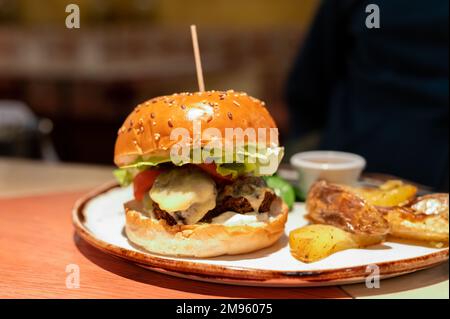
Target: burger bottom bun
[204, 240]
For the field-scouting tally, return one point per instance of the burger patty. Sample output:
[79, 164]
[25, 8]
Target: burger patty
[235, 204]
[239, 205]
[162, 214]
[231, 198]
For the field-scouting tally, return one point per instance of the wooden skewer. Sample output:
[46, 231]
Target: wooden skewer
[198, 62]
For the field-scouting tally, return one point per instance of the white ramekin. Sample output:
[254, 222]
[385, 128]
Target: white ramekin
[332, 166]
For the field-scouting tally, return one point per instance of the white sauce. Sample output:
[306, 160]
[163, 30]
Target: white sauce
[235, 219]
[198, 111]
[430, 207]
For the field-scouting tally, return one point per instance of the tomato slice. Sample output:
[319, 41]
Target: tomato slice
[211, 169]
[144, 181]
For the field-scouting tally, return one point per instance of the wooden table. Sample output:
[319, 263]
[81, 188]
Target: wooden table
[37, 244]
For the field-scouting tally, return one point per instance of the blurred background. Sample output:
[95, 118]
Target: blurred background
[328, 80]
[76, 86]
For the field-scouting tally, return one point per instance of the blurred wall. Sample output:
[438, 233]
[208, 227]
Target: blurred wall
[223, 13]
[87, 80]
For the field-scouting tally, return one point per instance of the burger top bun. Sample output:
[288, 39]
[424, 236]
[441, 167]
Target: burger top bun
[146, 131]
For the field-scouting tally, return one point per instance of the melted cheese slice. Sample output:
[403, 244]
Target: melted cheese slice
[185, 193]
[256, 199]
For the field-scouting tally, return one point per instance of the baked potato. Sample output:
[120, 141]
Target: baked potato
[314, 242]
[358, 211]
[424, 219]
[391, 193]
[338, 206]
[354, 217]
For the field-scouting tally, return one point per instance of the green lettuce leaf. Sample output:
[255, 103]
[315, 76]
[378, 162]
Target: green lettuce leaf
[253, 162]
[123, 176]
[235, 169]
[282, 188]
[142, 164]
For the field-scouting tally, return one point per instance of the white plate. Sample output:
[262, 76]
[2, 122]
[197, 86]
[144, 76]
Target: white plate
[99, 218]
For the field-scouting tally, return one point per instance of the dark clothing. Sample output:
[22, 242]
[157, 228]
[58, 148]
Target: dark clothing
[381, 93]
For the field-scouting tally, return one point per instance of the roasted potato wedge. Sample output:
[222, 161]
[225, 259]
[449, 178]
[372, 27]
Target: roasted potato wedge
[314, 242]
[338, 206]
[391, 193]
[425, 219]
[358, 211]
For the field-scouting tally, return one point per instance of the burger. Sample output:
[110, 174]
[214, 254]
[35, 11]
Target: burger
[200, 166]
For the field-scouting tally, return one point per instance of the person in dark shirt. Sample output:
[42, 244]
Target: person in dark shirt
[379, 92]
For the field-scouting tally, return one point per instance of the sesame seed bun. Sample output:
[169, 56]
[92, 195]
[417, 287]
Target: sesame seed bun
[146, 131]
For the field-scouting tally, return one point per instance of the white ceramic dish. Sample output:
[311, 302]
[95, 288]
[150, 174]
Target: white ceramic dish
[335, 167]
[99, 219]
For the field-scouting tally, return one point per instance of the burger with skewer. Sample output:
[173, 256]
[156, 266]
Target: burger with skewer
[200, 166]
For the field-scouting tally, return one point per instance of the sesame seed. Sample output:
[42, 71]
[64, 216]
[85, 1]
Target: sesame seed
[169, 122]
[183, 106]
[157, 136]
[140, 130]
[209, 119]
[236, 103]
[230, 116]
[122, 129]
[152, 115]
[154, 101]
[230, 91]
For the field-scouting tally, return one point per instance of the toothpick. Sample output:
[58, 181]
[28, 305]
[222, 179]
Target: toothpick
[198, 62]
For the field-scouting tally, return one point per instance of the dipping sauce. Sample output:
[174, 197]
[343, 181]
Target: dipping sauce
[332, 166]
